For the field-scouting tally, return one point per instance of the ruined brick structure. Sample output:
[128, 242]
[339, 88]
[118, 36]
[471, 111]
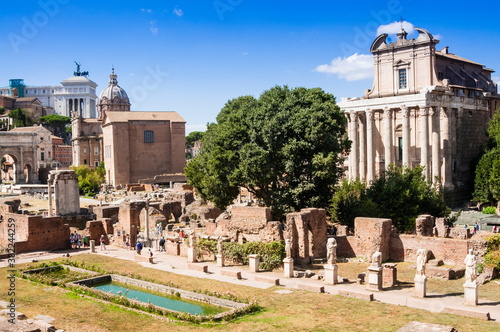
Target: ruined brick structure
[308, 230]
[32, 233]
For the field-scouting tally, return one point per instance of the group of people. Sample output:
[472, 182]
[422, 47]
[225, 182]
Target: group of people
[77, 241]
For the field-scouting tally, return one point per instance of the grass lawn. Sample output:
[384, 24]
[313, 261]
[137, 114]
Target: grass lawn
[297, 311]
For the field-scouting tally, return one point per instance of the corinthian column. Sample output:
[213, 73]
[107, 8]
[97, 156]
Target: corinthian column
[369, 146]
[362, 147]
[353, 157]
[436, 145]
[446, 114]
[406, 136]
[424, 140]
[388, 137]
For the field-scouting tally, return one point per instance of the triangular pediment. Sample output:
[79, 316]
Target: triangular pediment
[401, 62]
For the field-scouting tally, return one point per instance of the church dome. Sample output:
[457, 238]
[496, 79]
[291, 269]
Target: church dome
[114, 90]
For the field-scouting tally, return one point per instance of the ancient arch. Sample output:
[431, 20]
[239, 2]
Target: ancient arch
[23, 156]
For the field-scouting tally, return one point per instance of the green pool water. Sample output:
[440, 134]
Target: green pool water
[161, 301]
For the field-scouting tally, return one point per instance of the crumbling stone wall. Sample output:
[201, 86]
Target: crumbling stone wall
[253, 223]
[373, 234]
[129, 223]
[35, 233]
[424, 225]
[452, 251]
[308, 230]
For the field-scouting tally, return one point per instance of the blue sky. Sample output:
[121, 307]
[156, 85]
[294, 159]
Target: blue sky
[194, 56]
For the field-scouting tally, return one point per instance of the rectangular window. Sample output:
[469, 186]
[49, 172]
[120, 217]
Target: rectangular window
[97, 163]
[96, 150]
[400, 148]
[149, 136]
[42, 156]
[85, 161]
[403, 84]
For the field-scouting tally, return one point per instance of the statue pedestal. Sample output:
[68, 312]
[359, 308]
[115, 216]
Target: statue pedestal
[92, 245]
[331, 277]
[470, 293]
[253, 263]
[420, 286]
[288, 267]
[220, 260]
[374, 278]
[192, 255]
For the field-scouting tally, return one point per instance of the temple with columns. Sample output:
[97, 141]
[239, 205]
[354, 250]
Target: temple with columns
[426, 107]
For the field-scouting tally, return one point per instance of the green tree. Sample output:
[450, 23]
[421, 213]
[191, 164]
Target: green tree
[89, 179]
[400, 194]
[192, 137]
[57, 124]
[21, 118]
[2, 110]
[487, 180]
[285, 147]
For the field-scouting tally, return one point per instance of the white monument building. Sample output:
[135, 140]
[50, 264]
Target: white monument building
[77, 93]
[426, 107]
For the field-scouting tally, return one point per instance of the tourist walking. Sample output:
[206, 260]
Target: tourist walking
[162, 244]
[101, 241]
[138, 247]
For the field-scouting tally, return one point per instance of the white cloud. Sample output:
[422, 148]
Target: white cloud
[179, 12]
[438, 36]
[244, 53]
[353, 68]
[394, 27]
[153, 28]
[149, 11]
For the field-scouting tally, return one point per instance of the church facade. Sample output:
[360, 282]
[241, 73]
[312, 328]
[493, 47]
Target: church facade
[132, 145]
[426, 107]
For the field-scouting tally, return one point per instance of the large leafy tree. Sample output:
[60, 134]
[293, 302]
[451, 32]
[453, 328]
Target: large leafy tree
[487, 181]
[57, 124]
[286, 147]
[400, 194]
[21, 118]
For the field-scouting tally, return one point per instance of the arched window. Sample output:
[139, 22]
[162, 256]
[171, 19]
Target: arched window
[149, 136]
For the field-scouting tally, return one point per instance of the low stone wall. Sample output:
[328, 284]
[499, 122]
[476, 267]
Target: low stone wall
[451, 251]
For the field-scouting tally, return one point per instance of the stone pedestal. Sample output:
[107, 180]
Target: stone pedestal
[192, 255]
[420, 286]
[92, 245]
[470, 293]
[373, 278]
[288, 267]
[253, 262]
[331, 277]
[220, 260]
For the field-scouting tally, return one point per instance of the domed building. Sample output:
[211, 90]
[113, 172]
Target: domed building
[134, 146]
[113, 98]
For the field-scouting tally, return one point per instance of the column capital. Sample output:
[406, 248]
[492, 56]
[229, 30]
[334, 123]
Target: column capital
[423, 110]
[406, 111]
[369, 114]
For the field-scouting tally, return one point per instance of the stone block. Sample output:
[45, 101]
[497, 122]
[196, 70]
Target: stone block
[192, 255]
[420, 286]
[220, 260]
[331, 274]
[389, 275]
[288, 267]
[467, 313]
[374, 278]
[356, 295]
[470, 294]
[373, 235]
[270, 280]
[140, 258]
[312, 288]
[198, 267]
[253, 263]
[230, 273]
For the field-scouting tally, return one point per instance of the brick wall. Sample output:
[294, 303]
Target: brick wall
[35, 233]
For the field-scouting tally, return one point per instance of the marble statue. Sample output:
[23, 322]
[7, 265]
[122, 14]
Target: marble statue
[421, 260]
[470, 267]
[331, 250]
